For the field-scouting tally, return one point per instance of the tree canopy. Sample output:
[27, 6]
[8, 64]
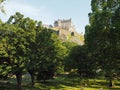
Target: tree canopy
[102, 36]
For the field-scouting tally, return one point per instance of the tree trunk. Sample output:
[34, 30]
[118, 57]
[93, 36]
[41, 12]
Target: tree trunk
[32, 79]
[19, 81]
[44, 80]
[111, 83]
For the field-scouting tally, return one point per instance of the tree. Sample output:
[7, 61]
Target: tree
[50, 52]
[33, 53]
[100, 36]
[14, 45]
[19, 33]
[69, 46]
[29, 26]
[3, 56]
[80, 60]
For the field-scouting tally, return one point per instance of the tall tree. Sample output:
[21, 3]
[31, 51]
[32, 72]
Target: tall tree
[69, 46]
[14, 45]
[29, 26]
[19, 33]
[80, 60]
[51, 53]
[3, 56]
[101, 33]
[33, 53]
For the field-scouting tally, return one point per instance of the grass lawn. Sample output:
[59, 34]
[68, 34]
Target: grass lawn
[60, 83]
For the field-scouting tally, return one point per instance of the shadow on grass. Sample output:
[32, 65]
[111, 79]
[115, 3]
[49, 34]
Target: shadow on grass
[6, 86]
[57, 84]
[104, 85]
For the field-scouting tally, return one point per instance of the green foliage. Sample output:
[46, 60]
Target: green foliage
[1, 6]
[51, 52]
[16, 36]
[30, 47]
[102, 36]
[13, 43]
[80, 60]
[69, 46]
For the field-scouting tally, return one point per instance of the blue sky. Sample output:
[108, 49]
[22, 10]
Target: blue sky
[49, 10]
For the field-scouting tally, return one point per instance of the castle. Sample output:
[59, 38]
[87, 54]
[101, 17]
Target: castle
[64, 24]
[66, 31]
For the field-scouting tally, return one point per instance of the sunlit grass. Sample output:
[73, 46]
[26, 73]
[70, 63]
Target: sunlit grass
[61, 83]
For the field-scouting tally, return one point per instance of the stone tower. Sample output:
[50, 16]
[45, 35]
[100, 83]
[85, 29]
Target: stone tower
[64, 24]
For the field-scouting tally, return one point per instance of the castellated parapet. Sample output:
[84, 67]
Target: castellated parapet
[64, 24]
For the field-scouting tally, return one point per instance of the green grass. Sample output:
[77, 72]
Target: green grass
[60, 83]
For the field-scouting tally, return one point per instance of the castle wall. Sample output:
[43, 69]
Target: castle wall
[64, 24]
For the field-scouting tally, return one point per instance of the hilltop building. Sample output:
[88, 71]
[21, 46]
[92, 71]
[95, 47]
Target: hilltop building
[66, 31]
[64, 24]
